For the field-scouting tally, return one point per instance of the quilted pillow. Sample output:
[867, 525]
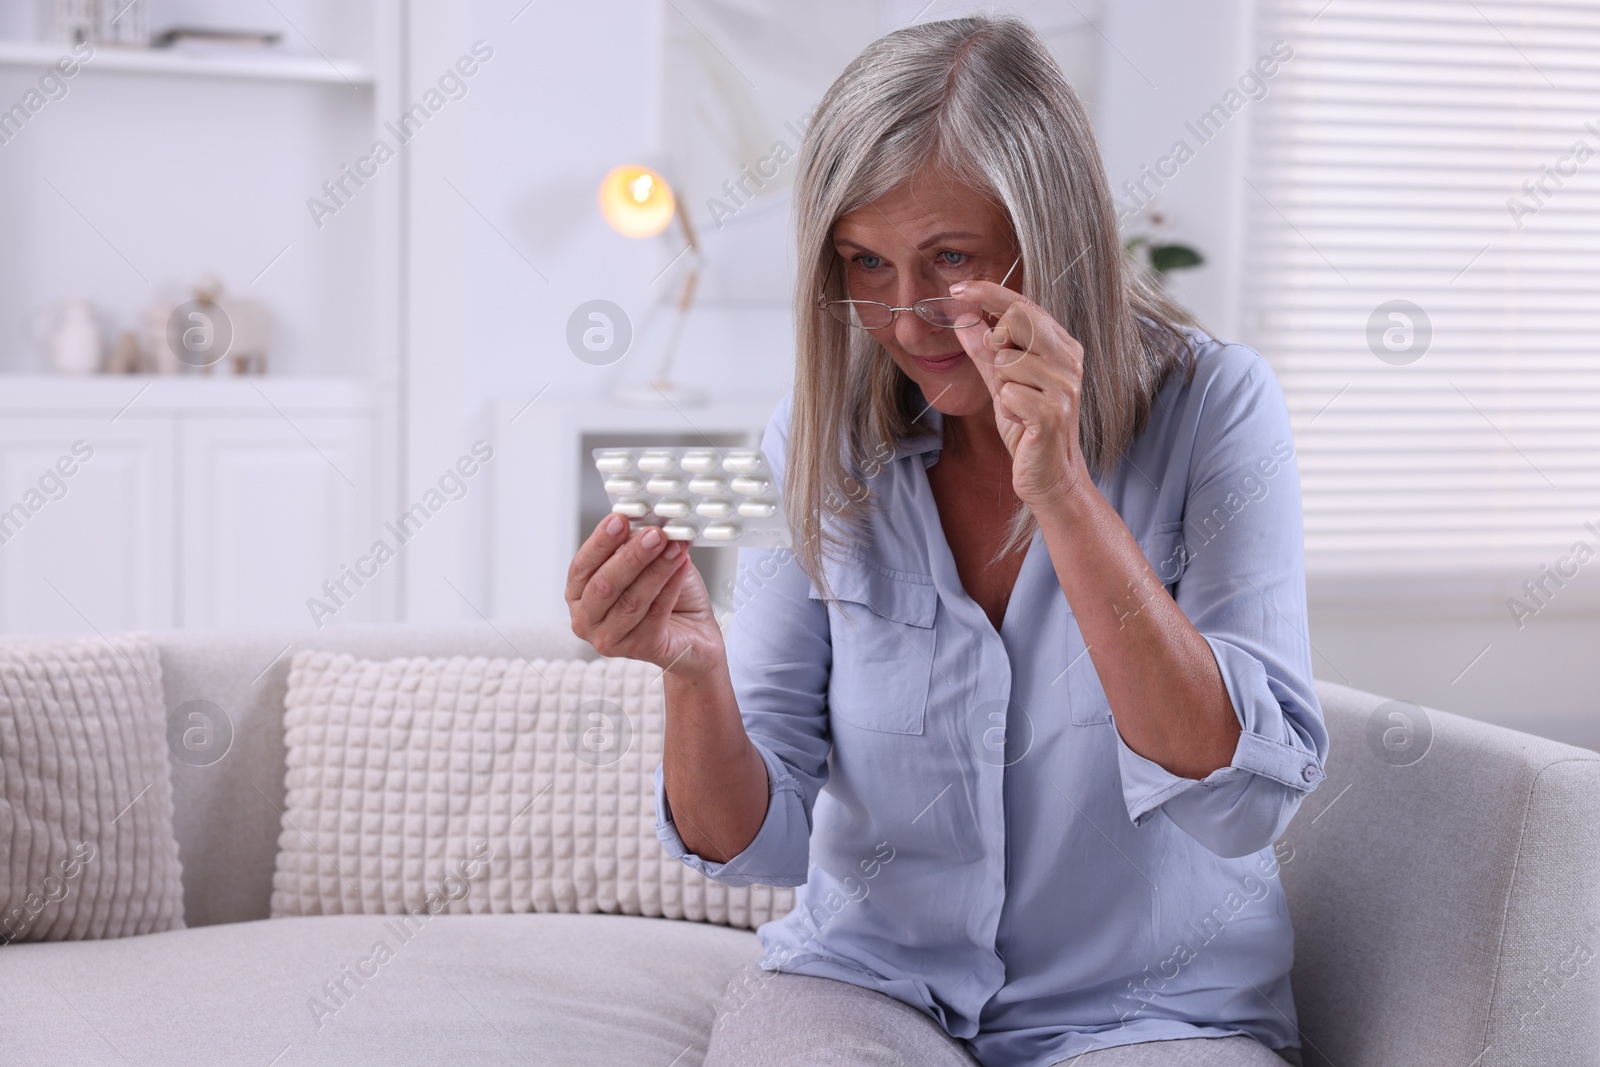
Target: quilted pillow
[473, 785]
[87, 848]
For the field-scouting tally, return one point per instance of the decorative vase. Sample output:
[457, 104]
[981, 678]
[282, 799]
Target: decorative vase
[75, 340]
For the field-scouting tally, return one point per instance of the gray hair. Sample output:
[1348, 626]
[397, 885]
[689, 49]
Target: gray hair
[982, 98]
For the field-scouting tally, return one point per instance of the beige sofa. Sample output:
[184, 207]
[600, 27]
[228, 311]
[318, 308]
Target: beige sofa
[1446, 914]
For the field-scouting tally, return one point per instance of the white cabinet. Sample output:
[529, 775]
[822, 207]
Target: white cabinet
[191, 503]
[90, 550]
[269, 516]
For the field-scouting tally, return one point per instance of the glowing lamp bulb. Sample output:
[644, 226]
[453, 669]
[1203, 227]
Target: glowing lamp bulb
[636, 201]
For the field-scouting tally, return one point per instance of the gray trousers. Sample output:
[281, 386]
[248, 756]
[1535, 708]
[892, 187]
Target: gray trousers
[777, 1019]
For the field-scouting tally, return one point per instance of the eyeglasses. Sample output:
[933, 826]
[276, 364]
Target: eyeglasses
[951, 312]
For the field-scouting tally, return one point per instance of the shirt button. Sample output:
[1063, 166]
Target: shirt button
[1310, 772]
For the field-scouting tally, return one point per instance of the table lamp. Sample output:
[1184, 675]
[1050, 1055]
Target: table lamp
[637, 202]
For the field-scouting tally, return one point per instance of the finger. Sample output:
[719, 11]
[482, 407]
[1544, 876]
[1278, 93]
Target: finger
[617, 573]
[1018, 365]
[974, 343]
[634, 602]
[1021, 326]
[666, 601]
[991, 296]
[1026, 404]
[1009, 424]
[1058, 384]
[1002, 411]
[1006, 356]
[608, 535]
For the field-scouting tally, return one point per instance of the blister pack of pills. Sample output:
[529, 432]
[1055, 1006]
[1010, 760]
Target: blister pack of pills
[705, 496]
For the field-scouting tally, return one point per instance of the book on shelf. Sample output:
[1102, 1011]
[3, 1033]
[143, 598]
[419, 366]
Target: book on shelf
[215, 40]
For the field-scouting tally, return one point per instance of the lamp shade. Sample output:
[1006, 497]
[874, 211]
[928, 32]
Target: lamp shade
[636, 201]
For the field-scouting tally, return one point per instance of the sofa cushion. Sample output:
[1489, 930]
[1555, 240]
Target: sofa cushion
[477, 785]
[229, 811]
[479, 989]
[87, 848]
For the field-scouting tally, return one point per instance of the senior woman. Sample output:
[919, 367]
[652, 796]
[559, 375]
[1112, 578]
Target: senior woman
[1027, 705]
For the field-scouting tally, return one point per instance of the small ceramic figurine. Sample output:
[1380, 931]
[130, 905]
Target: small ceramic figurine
[212, 332]
[126, 356]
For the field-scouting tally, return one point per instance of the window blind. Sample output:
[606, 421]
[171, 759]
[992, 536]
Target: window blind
[1422, 270]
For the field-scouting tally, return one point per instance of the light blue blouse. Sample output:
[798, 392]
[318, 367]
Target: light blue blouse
[968, 830]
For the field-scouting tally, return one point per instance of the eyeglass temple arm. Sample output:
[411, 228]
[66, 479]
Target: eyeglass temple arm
[1013, 269]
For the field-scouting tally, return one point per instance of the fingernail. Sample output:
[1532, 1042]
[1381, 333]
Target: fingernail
[614, 525]
[672, 550]
[958, 288]
[651, 538]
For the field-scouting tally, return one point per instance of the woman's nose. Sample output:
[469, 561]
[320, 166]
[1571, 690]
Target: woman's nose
[909, 327]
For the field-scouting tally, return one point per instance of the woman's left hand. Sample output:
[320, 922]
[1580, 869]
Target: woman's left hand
[1034, 370]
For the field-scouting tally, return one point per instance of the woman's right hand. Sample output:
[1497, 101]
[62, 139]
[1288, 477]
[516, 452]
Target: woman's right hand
[634, 594]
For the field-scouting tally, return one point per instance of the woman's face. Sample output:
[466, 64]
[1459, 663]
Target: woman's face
[911, 244]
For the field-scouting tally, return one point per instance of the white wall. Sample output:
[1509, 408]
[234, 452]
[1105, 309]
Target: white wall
[573, 90]
[1165, 63]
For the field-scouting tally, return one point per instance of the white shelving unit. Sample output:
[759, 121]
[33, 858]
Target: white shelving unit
[268, 65]
[213, 500]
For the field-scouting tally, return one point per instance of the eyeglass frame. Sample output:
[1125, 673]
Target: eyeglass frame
[823, 303]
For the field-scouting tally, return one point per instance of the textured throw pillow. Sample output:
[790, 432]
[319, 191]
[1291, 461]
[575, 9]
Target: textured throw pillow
[87, 848]
[483, 785]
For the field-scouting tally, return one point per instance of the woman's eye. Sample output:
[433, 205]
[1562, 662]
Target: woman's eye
[952, 259]
[869, 262]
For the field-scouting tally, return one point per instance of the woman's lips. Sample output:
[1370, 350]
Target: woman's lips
[940, 364]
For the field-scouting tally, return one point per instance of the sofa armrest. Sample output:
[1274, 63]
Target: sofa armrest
[1446, 897]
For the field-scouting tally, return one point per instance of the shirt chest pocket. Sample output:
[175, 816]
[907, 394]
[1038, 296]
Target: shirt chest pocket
[1164, 548]
[881, 627]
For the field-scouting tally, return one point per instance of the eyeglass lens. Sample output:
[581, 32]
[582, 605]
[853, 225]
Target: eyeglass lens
[947, 311]
[939, 310]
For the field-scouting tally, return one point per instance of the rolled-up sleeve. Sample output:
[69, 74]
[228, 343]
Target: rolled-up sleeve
[1243, 588]
[779, 657]
[770, 857]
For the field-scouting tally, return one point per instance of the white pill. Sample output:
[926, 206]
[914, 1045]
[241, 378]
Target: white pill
[708, 484]
[743, 461]
[757, 509]
[618, 484]
[656, 462]
[679, 531]
[751, 486]
[664, 483]
[614, 462]
[633, 509]
[722, 531]
[714, 508]
[699, 461]
[672, 508]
